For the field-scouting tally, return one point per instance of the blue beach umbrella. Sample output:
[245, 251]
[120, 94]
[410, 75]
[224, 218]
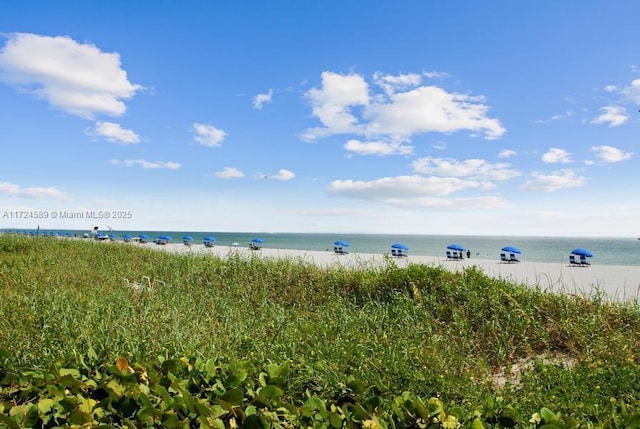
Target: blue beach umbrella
[456, 247]
[342, 243]
[164, 237]
[511, 249]
[187, 238]
[399, 246]
[257, 240]
[582, 252]
[143, 236]
[127, 236]
[209, 238]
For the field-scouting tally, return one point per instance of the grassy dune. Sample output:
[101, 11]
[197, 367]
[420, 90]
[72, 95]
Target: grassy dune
[461, 337]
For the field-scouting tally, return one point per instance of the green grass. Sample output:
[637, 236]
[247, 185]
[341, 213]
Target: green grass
[421, 328]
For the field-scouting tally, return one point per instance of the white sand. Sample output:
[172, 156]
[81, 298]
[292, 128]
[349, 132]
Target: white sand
[617, 282]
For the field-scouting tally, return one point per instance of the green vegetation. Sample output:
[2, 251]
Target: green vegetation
[257, 342]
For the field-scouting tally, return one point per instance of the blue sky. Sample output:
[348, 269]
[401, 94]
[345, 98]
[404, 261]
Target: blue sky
[418, 117]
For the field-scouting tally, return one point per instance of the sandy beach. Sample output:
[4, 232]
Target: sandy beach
[618, 283]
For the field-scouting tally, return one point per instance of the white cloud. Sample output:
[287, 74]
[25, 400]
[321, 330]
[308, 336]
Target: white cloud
[632, 92]
[611, 88]
[261, 99]
[473, 168]
[413, 191]
[344, 105]
[73, 77]
[401, 187]
[391, 84]
[229, 173]
[380, 148]
[282, 175]
[507, 153]
[556, 156]
[435, 74]
[147, 165]
[612, 115]
[610, 153]
[208, 135]
[115, 133]
[332, 104]
[553, 182]
[13, 190]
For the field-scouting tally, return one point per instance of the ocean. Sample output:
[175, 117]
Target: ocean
[606, 251]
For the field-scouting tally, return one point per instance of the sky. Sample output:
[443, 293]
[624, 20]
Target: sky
[412, 117]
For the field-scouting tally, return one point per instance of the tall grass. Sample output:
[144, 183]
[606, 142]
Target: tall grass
[420, 328]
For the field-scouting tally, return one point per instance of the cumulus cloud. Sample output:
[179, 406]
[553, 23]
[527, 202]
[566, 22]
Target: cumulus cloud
[380, 148]
[612, 115]
[554, 181]
[77, 78]
[556, 156]
[229, 173]
[507, 153]
[115, 133]
[610, 153]
[13, 190]
[332, 104]
[391, 84]
[345, 104]
[282, 175]
[261, 99]
[632, 92]
[147, 165]
[208, 135]
[418, 191]
[474, 168]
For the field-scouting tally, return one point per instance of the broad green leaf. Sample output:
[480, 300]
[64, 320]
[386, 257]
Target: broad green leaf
[233, 396]
[73, 372]
[77, 417]
[547, 415]
[116, 388]
[31, 416]
[269, 394]
[357, 386]
[477, 424]
[45, 404]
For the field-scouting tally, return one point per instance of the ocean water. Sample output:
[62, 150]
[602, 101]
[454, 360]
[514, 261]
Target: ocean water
[606, 251]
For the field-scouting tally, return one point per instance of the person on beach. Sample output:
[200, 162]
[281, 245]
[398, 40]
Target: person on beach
[468, 254]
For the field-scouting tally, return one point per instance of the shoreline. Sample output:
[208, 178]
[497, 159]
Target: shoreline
[617, 282]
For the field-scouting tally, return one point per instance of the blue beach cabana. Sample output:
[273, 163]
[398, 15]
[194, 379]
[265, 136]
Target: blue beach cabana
[341, 247]
[187, 240]
[399, 249]
[512, 251]
[454, 252]
[583, 254]
[126, 237]
[256, 243]
[208, 241]
[163, 239]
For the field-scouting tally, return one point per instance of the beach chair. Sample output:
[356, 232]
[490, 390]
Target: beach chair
[503, 258]
[583, 261]
[449, 255]
[512, 258]
[572, 260]
[394, 252]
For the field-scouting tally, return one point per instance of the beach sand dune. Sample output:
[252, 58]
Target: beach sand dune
[616, 282]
